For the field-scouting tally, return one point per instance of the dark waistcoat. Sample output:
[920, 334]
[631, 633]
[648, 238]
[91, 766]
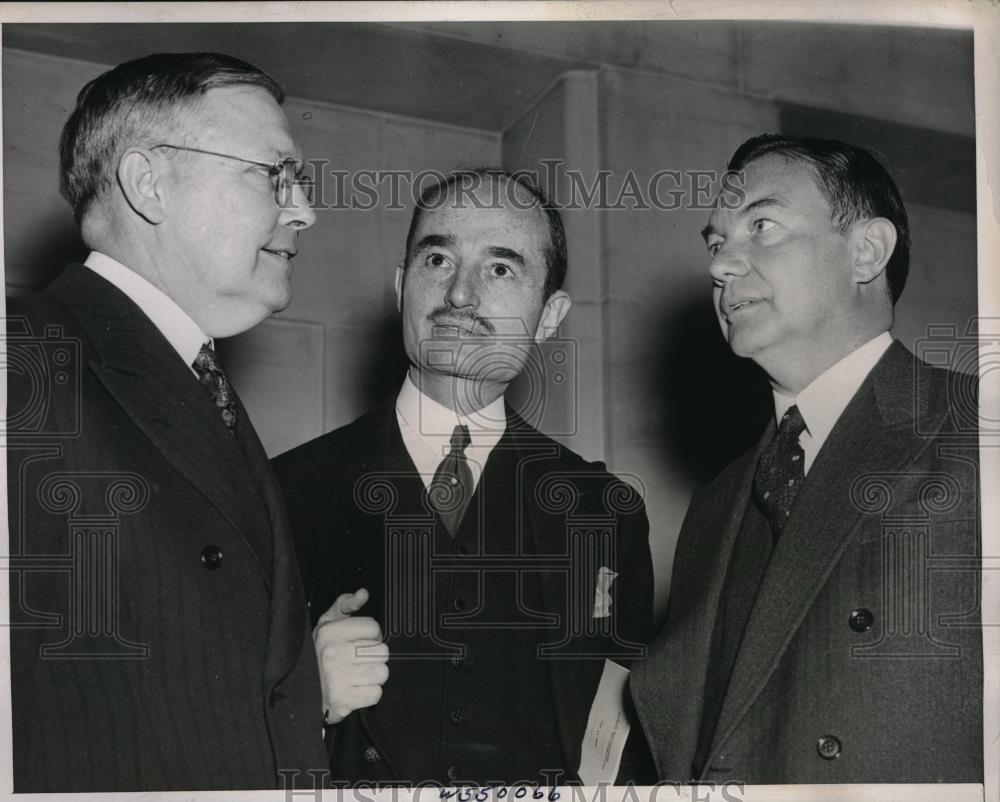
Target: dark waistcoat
[480, 707]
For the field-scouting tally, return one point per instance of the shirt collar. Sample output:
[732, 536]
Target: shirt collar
[183, 334]
[823, 401]
[431, 420]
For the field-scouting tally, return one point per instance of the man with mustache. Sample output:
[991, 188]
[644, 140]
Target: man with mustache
[824, 619]
[159, 636]
[455, 524]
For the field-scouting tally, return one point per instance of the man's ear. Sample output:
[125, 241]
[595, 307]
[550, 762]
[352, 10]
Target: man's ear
[400, 277]
[553, 312]
[875, 240]
[140, 183]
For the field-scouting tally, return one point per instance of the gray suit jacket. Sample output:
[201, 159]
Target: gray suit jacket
[887, 522]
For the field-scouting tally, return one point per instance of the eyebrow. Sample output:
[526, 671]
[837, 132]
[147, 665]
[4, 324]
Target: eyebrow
[447, 240]
[278, 155]
[506, 253]
[760, 203]
[435, 241]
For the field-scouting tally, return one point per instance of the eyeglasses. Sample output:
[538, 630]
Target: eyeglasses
[284, 175]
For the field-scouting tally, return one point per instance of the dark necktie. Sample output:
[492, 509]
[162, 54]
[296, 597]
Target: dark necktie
[452, 487]
[780, 472]
[214, 379]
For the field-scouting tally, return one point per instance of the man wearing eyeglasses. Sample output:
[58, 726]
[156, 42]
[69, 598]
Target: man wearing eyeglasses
[160, 637]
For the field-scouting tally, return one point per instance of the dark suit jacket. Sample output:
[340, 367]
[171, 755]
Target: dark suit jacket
[160, 636]
[886, 522]
[340, 493]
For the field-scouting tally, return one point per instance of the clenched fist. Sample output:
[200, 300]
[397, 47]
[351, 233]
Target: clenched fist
[352, 657]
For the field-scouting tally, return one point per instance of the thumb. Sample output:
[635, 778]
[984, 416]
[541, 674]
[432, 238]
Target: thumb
[345, 606]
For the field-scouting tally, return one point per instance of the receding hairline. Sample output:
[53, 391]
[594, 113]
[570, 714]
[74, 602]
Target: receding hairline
[446, 191]
[545, 237]
[202, 119]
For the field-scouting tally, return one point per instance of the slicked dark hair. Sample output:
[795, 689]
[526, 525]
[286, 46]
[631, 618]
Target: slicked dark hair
[134, 104]
[854, 183]
[556, 261]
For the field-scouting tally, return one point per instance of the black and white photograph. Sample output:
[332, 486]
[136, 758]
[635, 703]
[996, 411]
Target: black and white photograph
[473, 401]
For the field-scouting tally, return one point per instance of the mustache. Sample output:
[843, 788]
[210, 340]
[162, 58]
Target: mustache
[445, 316]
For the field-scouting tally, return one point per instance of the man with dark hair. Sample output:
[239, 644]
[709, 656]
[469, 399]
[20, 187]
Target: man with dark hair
[854, 184]
[807, 639]
[159, 633]
[502, 568]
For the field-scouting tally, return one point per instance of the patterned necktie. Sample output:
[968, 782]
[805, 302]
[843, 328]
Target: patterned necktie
[214, 379]
[452, 487]
[780, 472]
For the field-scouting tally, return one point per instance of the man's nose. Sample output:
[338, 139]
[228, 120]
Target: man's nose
[729, 262]
[463, 290]
[299, 213]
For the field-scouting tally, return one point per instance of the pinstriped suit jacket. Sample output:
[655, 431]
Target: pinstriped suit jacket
[160, 636]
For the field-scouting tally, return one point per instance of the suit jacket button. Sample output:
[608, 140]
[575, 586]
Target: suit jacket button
[211, 557]
[372, 755]
[453, 773]
[828, 747]
[456, 715]
[459, 604]
[457, 660]
[861, 620]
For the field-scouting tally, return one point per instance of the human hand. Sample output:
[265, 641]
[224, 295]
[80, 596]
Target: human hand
[353, 660]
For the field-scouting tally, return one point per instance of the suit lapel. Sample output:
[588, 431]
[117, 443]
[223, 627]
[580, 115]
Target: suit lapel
[285, 626]
[387, 455]
[534, 457]
[338, 494]
[874, 434]
[678, 659]
[140, 369]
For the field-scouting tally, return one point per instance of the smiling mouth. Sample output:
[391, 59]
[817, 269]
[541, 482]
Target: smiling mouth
[289, 255]
[731, 308]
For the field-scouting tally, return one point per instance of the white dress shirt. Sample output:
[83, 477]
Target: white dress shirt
[183, 334]
[824, 400]
[427, 426]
